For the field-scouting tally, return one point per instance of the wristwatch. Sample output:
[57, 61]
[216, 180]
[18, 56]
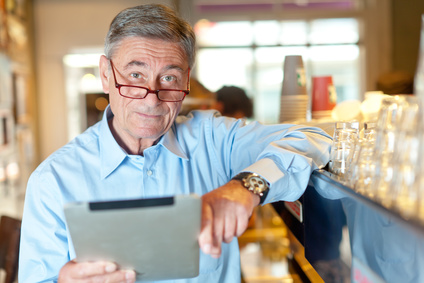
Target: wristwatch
[254, 183]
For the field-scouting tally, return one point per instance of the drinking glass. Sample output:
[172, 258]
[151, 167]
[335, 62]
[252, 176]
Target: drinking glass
[403, 195]
[387, 127]
[418, 185]
[362, 165]
[344, 140]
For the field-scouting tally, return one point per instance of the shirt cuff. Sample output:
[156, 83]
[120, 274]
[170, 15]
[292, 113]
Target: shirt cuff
[267, 169]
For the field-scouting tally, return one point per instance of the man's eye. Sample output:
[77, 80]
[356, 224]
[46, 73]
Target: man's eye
[135, 75]
[168, 78]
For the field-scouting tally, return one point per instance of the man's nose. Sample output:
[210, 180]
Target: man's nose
[152, 96]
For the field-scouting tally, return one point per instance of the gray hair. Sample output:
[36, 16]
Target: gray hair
[151, 21]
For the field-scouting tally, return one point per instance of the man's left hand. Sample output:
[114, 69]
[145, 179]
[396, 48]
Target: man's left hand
[225, 215]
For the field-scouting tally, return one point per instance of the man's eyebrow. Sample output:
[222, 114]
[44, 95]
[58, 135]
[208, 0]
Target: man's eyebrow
[144, 64]
[174, 67]
[136, 63]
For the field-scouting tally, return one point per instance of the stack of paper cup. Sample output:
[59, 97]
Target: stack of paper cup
[323, 97]
[294, 96]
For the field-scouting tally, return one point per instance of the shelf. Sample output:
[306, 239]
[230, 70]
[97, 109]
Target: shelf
[336, 182]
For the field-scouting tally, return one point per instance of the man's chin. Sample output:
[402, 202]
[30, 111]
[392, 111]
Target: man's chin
[148, 133]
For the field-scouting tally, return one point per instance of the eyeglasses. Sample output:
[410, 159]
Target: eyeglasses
[139, 92]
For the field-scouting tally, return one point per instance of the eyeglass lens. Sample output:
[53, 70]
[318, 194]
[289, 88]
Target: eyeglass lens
[139, 93]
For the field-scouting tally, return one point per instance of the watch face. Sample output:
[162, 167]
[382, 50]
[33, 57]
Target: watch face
[256, 184]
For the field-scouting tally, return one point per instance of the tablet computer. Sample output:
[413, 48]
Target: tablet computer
[156, 237]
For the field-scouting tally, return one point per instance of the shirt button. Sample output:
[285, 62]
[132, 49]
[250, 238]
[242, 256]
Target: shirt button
[149, 173]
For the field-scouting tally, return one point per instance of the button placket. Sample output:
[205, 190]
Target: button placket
[150, 178]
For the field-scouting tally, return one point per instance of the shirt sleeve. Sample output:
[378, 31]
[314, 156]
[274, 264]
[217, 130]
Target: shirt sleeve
[44, 241]
[284, 154]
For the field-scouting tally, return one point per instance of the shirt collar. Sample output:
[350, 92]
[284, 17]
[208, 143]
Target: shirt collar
[112, 155]
[170, 142]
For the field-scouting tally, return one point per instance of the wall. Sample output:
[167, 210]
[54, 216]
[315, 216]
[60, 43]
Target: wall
[59, 27]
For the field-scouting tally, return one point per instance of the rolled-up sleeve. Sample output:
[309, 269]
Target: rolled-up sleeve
[283, 154]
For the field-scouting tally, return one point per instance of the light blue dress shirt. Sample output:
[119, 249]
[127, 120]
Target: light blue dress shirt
[201, 152]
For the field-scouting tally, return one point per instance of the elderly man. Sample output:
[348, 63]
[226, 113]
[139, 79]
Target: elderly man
[141, 149]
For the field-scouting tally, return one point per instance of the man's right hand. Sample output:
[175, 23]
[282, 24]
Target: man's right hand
[94, 272]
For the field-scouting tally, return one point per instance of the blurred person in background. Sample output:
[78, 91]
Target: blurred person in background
[232, 101]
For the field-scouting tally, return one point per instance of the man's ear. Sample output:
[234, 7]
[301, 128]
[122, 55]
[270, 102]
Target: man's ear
[104, 73]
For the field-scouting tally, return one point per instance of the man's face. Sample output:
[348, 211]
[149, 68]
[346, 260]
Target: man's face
[153, 64]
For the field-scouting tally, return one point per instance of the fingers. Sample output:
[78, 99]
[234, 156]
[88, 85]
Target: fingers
[242, 223]
[234, 226]
[205, 237]
[225, 215]
[94, 272]
[217, 234]
[218, 227]
[230, 228]
[241, 226]
[119, 276]
[208, 239]
[87, 269]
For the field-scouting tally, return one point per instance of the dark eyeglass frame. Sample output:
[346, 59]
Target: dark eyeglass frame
[156, 91]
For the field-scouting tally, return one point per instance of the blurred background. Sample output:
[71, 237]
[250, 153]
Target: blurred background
[50, 88]
[50, 50]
